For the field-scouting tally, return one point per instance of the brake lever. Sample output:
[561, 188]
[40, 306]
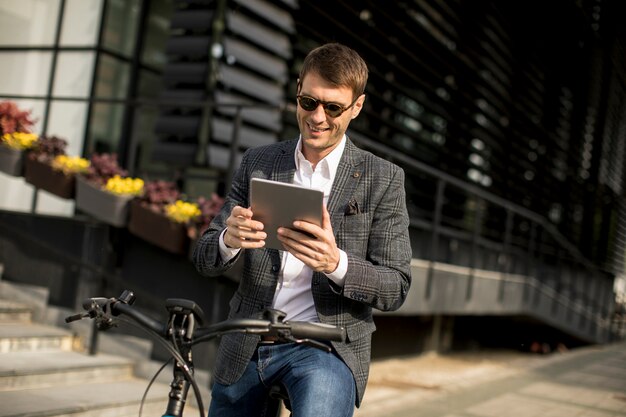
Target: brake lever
[101, 315]
[76, 317]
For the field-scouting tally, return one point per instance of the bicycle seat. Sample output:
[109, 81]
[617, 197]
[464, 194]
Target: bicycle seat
[279, 392]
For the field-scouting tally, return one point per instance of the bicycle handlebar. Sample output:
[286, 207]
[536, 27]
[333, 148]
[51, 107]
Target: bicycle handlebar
[181, 328]
[103, 309]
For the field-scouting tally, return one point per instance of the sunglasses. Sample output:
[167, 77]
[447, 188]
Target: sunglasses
[331, 109]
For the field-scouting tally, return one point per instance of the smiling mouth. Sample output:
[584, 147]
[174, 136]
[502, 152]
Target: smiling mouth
[317, 129]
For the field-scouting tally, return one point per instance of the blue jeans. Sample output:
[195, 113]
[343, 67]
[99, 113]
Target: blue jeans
[318, 384]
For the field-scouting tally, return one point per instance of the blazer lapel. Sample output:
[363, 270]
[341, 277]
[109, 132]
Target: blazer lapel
[284, 164]
[348, 175]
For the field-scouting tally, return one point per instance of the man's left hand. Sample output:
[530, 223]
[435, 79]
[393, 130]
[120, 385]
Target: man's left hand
[315, 246]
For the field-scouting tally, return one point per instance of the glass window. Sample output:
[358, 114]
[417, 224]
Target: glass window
[106, 126]
[25, 73]
[113, 77]
[81, 22]
[120, 28]
[67, 121]
[74, 73]
[157, 33]
[28, 22]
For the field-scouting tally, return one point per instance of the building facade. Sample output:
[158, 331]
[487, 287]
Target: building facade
[509, 118]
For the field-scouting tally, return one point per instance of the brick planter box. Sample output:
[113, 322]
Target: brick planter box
[158, 229]
[44, 177]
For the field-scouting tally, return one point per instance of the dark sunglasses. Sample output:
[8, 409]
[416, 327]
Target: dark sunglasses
[331, 109]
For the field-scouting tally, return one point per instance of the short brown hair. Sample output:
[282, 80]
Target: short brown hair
[339, 65]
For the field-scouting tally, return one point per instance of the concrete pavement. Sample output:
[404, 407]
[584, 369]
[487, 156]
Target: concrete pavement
[583, 382]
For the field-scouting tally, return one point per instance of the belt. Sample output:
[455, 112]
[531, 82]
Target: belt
[271, 340]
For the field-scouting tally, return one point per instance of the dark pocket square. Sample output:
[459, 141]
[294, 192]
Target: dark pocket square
[352, 208]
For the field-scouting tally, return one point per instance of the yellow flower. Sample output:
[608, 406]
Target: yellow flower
[70, 164]
[128, 186]
[182, 212]
[20, 140]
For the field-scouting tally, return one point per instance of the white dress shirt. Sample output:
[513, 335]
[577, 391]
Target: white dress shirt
[293, 292]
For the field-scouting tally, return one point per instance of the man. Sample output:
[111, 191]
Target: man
[357, 260]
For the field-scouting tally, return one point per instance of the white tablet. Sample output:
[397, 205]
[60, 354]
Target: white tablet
[278, 204]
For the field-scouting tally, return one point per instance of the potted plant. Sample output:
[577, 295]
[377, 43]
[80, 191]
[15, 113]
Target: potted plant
[149, 218]
[209, 208]
[47, 167]
[105, 191]
[15, 137]
[163, 217]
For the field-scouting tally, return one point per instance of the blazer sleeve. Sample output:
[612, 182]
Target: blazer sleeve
[382, 278]
[206, 256]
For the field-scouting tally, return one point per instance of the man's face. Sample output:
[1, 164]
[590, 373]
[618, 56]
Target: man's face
[320, 132]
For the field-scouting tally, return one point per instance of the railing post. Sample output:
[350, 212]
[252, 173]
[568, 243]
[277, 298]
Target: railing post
[234, 146]
[477, 228]
[531, 266]
[441, 185]
[505, 268]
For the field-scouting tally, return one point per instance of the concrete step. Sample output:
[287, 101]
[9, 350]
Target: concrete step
[31, 295]
[32, 369]
[110, 399]
[19, 337]
[13, 312]
[44, 372]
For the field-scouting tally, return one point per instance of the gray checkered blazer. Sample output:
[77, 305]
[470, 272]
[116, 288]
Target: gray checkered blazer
[373, 232]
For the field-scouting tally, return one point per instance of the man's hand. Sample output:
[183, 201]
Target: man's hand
[242, 231]
[316, 247]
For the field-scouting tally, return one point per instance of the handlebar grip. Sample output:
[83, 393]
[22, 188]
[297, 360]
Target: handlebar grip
[317, 331]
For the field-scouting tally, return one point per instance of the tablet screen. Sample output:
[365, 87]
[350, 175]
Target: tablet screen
[278, 204]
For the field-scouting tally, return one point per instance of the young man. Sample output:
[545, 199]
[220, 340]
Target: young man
[357, 260]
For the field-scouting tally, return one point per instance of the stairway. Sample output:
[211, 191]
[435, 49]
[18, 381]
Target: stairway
[45, 371]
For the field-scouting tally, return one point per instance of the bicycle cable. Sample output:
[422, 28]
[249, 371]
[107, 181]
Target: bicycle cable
[176, 355]
[154, 377]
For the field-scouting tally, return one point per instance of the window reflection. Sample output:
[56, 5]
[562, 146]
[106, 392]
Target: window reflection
[28, 22]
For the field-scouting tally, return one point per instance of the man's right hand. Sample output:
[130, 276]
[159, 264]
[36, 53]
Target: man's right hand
[242, 231]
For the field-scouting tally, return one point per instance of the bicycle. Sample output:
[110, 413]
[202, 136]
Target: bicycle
[183, 329]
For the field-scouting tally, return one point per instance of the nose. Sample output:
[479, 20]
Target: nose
[318, 115]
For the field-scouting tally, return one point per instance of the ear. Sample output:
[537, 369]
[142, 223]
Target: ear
[358, 106]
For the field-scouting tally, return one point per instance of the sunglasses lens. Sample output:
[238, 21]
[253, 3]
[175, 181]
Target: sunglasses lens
[308, 104]
[333, 110]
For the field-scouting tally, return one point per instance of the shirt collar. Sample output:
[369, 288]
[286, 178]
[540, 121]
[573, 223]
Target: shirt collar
[329, 162]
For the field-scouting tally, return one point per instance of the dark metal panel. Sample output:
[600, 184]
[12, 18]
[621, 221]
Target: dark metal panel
[267, 64]
[191, 19]
[267, 38]
[193, 46]
[185, 73]
[183, 125]
[276, 15]
[248, 137]
[245, 82]
[269, 118]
